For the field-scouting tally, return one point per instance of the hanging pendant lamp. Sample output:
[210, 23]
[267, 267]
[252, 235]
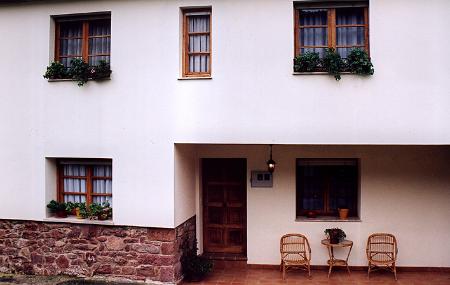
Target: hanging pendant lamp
[271, 163]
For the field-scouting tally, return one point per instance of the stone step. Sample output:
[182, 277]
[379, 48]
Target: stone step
[227, 260]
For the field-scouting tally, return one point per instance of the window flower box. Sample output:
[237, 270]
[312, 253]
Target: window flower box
[357, 62]
[78, 71]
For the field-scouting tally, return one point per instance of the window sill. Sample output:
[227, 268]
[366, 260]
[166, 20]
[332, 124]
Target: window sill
[69, 79]
[74, 220]
[327, 219]
[318, 73]
[195, 78]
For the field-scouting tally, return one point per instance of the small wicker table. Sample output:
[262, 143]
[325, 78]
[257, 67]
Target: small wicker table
[334, 261]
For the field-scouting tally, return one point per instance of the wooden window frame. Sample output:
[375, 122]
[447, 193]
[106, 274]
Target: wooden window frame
[85, 21]
[326, 211]
[185, 44]
[89, 164]
[331, 28]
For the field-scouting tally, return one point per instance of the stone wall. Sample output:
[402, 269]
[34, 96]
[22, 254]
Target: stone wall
[147, 254]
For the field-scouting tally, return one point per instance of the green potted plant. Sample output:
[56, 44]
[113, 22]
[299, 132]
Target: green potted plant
[59, 209]
[106, 211]
[358, 62]
[333, 63]
[100, 211]
[335, 235]
[81, 211]
[70, 207]
[307, 62]
[94, 210]
[56, 70]
[78, 71]
[101, 71]
[195, 267]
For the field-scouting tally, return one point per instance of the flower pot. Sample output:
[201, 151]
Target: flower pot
[343, 213]
[334, 240]
[102, 217]
[334, 237]
[77, 213]
[311, 214]
[61, 214]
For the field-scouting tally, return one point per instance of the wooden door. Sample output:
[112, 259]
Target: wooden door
[224, 205]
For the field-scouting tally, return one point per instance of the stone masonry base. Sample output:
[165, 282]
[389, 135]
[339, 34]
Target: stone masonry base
[116, 252]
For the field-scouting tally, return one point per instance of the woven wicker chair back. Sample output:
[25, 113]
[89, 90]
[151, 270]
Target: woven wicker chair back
[382, 247]
[295, 247]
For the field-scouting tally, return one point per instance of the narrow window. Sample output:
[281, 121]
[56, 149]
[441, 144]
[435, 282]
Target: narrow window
[324, 185]
[323, 25]
[84, 37]
[85, 181]
[197, 42]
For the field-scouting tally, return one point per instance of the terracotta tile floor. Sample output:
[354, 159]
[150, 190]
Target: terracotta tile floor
[271, 276]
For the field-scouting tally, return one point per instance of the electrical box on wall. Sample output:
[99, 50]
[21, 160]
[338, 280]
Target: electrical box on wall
[262, 179]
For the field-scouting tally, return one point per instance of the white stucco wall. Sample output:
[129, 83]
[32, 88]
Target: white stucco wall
[404, 191]
[185, 182]
[137, 116]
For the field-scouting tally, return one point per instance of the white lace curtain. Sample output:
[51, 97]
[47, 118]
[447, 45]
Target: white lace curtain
[102, 186]
[78, 184]
[75, 185]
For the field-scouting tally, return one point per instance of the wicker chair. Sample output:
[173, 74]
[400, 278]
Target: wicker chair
[295, 252]
[382, 252]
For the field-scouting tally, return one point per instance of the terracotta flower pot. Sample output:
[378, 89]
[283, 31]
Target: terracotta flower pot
[343, 213]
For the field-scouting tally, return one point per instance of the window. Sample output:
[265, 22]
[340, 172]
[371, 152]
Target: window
[324, 185]
[85, 181]
[85, 37]
[343, 26]
[197, 43]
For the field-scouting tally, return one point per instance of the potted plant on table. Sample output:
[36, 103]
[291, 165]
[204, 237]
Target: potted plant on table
[59, 209]
[335, 235]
